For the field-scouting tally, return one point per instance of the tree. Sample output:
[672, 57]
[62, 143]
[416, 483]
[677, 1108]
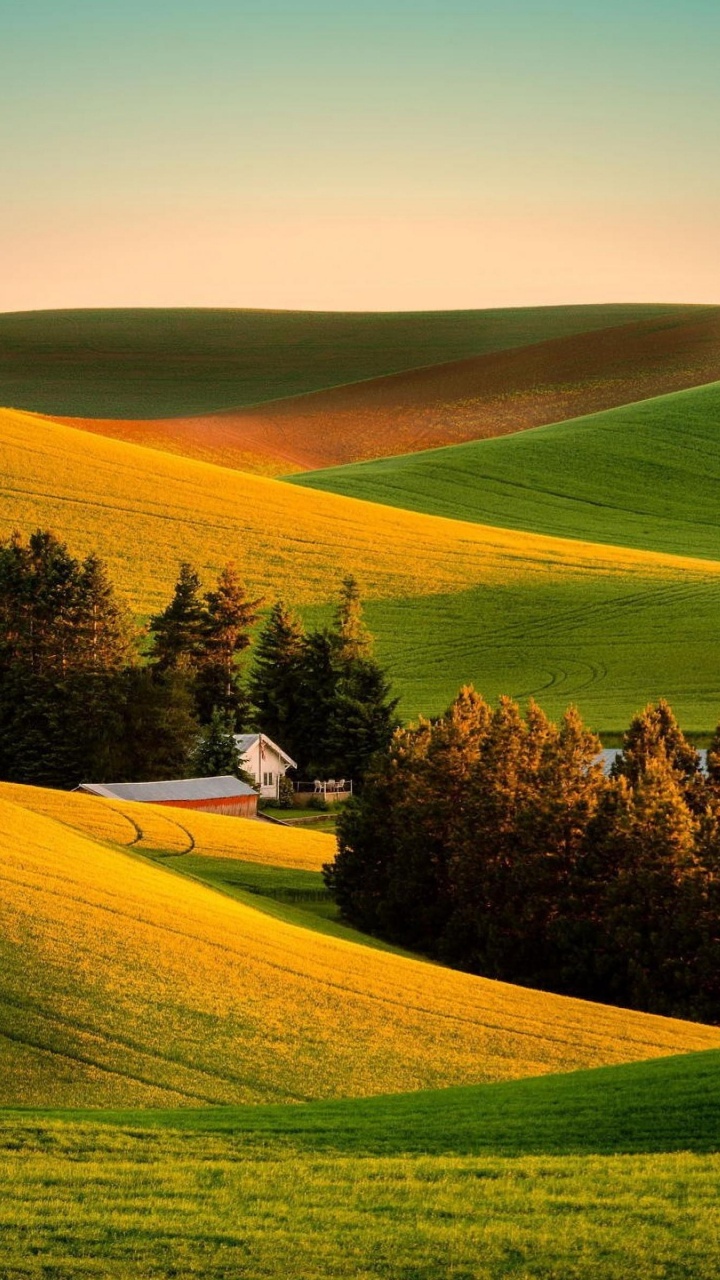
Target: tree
[216, 752]
[228, 618]
[362, 718]
[646, 875]
[160, 728]
[395, 841]
[654, 734]
[65, 639]
[276, 676]
[353, 638]
[178, 631]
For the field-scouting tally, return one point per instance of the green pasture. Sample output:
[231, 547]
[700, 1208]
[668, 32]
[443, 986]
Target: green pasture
[646, 475]
[154, 363]
[606, 1173]
[608, 644]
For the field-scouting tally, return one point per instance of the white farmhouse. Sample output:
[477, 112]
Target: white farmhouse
[265, 761]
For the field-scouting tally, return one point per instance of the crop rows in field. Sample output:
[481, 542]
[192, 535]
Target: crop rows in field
[125, 983]
[163, 362]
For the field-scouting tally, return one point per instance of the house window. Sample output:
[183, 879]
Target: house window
[267, 779]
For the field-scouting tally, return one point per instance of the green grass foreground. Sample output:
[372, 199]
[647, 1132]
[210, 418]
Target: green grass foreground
[156, 362]
[606, 1173]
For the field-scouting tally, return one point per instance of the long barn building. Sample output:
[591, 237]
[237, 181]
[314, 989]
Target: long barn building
[225, 794]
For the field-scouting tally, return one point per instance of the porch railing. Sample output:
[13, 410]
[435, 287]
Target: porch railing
[325, 787]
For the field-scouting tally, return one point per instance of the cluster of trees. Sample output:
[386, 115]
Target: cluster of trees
[85, 693]
[494, 841]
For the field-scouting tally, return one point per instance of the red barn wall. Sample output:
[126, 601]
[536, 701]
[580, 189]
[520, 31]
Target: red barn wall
[232, 806]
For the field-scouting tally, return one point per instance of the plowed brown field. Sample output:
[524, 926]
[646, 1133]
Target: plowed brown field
[489, 395]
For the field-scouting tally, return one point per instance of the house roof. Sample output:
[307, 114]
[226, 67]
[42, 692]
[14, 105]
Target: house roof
[223, 788]
[247, 740]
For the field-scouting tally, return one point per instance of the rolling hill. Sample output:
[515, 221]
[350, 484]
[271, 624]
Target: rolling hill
[645, 475]
[163, 363]
[450, 601]
[125, 984]
[488, 395]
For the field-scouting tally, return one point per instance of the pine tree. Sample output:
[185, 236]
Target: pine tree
[178, 631]
[275, 679]
[645, 856]
[362, 718]
[353, 638]
[160, 728]
[64, 640]
[228, 617]
[216, 752]
[655, 734]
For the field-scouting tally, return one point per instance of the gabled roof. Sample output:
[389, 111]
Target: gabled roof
[224, 788]
[247, 740]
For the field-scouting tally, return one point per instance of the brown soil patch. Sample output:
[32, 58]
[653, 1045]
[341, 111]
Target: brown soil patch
[488, 395]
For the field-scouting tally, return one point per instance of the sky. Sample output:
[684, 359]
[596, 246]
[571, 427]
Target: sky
[395, 155]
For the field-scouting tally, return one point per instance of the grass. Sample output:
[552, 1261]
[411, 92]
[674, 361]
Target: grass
[451, 601]
[484, 395]
[160, 363]
[125, 1209]
[645, 475]
[606, 644]
[125, 983]
[600, 1173]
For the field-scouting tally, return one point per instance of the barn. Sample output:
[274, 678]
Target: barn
[213, 795]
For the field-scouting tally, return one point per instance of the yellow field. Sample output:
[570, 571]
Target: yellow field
[145, 511]
[124, 983]
[154, 828]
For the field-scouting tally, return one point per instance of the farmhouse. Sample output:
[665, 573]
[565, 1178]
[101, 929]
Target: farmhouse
[214, 795]
[265, 761]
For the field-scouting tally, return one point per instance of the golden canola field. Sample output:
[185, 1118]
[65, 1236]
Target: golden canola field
[126, 984]
[160, 829]
[147, 510]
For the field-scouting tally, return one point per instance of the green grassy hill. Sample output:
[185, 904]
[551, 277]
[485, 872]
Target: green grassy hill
[450, 602]
[645, 475]
[156, 363]
[604, 1173]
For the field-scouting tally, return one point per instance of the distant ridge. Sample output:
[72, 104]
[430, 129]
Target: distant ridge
[159, 363]
[493, 394]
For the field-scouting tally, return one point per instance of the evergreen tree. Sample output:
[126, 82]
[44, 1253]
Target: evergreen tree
[228, 617]
[275, 679]
[654, 734]
[353, 638]
[178, 631]
[645, 852]
[64, 641]
[216, 752]
[160, 728]
[362, 718]
[316, 704]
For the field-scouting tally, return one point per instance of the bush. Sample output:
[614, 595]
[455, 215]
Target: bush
[286, 794]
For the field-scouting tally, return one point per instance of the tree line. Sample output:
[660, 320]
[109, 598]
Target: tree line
[493, 841]
[87, 694]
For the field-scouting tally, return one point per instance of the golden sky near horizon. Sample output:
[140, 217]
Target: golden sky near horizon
[408, 155]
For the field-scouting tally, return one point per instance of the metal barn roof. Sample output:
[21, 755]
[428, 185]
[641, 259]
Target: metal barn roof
[223, 788]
